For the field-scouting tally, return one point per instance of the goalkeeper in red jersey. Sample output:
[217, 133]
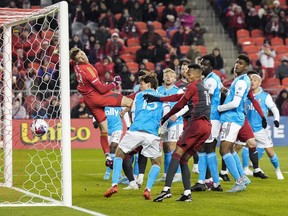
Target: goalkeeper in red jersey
[97, 95]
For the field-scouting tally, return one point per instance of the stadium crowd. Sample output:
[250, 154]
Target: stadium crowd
[121, 37]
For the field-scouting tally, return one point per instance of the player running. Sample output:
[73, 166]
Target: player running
[97, 95]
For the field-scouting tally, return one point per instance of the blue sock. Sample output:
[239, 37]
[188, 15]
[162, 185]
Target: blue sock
[136, 165]
[274, 160]
[117, 169]
[167, 159]
[152, 176]
[231, 165]
[238, 164]
[260, 152]
[245, 157]
[213, 166]
[202, 166]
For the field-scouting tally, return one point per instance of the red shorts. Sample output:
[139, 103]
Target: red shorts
[196, 133]
[96, 103]
[245, 132]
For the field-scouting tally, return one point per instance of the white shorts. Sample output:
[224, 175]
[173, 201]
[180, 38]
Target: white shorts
[229, 131]
[115, 137]
[149, 142]
[215, 131]
[263, 140]
[172, 134]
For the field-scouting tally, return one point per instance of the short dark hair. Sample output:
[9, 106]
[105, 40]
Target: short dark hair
[150, 79]
[250, 72]
[73, 52]
[211, 59]
[194, 66]
[244, 58]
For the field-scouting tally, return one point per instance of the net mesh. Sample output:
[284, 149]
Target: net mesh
[33, 164]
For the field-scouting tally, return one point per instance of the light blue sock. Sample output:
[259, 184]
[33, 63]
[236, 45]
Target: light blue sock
[213, 166]
[152, 176]
[117, 169]
[238, 164]
[231, 165]
[260, 152]
[274, 160]
[167, 159]
[136, 165]
[202, 165]
[245, 157]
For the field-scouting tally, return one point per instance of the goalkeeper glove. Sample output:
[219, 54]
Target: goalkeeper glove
[151, 98]
[276, 123]
[264, 122]
[117, 80]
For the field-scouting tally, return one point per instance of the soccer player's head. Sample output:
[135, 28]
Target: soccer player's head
[169, 76]
[194, 72]
[242, 64]
[251, 72]
[78, 55]
[207, 63]
[142, 72]
[256, 81]
[184, 69]
[148, 82]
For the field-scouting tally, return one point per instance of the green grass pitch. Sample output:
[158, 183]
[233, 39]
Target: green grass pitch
[262, 197]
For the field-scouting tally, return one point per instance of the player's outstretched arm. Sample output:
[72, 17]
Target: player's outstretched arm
[170, 98]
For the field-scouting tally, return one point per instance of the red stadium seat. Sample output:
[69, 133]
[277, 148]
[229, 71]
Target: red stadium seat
[257, 33]
[285, 81]
[133, 42]
[202, 50]
[250, 49]
[172, 32]
[281, 49]
[271, 82]
[157, 25]
[243, 33]
[161, 32]
[259, 41]
[150, 66]
[141, 25]
[245, 41]
[133, 67]
[127, 57]
[184, 49]
[133, 49]
[277, 41]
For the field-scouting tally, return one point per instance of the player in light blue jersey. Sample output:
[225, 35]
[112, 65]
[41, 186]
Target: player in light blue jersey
[232, 119]
[206, 153]
[173, 128]
[262, 137]
[143, 132]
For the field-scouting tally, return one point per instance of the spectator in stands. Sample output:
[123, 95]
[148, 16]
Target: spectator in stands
[79, 15]
[168, 12]
[149, 11]
[75, 42]
[136, 11]
[170, 23]
[252, 20]
[237, 22]
[276, 8]
[115, 46]
[196, 36]
[159, 51]
[102, 34]
[20, 60]
[18, 110]
[80, 110]
[38, 112]
[123, 19]
[265, 14]
[115, 6]
[150, 37]
[186, 18]
[274, 28]
[84, 35]
[17, 79]
[159, 72]
[179, 38]
[284, 20]
[89, 44]
[144, 54]
[128, 79]
[31, 83]
[129, 30]
[106, 65]
[118, 64]
[266, 56]
[92, 10]
[219, 60]
[96, 53]
[109, 75]
[109, 20]
[282, 70]
[282, 96]
[193, 53]
[53, 110]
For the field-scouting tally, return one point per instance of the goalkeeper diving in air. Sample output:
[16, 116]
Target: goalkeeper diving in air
[97, 95]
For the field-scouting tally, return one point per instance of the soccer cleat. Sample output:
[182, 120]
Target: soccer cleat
[218, 188]
[246, 180]
[162, 179]
[112, 190]
[163, 195]
[185, 198]
[248, 172]
[279, 174]
[224, 177]
[109, 162]
[95, 124]
[106, 176]
[260, 174]
[198, 187]
[237, 187]
[131, 187]
[209, 184]
[147, 194]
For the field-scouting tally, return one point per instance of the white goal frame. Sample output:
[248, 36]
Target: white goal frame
[7, 21]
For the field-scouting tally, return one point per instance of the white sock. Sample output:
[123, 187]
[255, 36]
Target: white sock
[166, 188]
[187, 192]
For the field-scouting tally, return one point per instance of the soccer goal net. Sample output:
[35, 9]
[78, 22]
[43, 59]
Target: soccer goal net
[34, 84]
